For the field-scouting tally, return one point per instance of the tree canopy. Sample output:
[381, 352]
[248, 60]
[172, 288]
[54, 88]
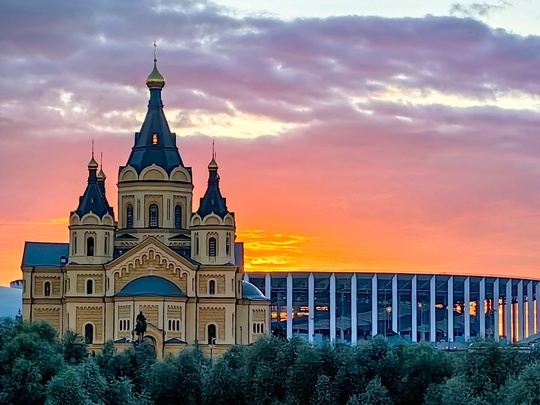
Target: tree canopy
[38, 367]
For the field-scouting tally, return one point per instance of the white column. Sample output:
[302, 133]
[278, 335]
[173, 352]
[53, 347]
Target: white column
[395, 304]
[530, 309]
[508, 312]
[496, 314]
[268, 286]
[374, 306]
[414, 309]
[354, 309]
[521, 312]
[432, 309]
[537, 306]
[467, 309]
[268, 294]
[481, 308]
[450, 315]
[289, 305]
[311, 307]
[332, 307]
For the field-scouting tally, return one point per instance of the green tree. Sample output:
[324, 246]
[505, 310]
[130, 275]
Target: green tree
[375, 394]
[177, 379]
[30, 357]
[74, 347]
[325, 392]
[454, 391]
[522, 389]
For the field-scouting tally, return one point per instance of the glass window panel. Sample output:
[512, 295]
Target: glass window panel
[423, 308]
[363, 305]
[384, 304]
[343, 308]
[441, 308]
[300, 305]
[322, 308]
[404, 307]
[459, 297]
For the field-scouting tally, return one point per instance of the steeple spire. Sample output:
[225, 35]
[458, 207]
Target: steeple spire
[213, 201]
[155, 144]
[93, 199]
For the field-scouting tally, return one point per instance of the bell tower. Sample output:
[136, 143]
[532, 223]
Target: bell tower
[154, 187]
[213, 226]
[91, 225]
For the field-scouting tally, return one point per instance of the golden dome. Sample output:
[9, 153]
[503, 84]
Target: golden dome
[101, 175]
[92, 164]
[155, 80]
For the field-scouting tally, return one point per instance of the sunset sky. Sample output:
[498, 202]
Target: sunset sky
[350, 134]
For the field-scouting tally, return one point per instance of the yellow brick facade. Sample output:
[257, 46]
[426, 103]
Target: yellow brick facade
[158, 254]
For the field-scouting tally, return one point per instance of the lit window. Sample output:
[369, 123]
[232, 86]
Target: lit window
[154, 139]
[153, 216]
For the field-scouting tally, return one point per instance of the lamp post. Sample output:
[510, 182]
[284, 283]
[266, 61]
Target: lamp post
[421, 307]
[388, 312]
[212, 342]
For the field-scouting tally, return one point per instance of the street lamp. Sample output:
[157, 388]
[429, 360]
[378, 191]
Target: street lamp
[421, 307]
[388, 311]
[212, 343]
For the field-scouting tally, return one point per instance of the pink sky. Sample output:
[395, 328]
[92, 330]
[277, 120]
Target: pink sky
[344, 143]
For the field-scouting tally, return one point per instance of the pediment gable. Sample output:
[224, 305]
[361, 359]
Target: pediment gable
[150, 257]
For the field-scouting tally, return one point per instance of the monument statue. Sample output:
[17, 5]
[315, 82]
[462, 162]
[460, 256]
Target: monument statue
[140, 326]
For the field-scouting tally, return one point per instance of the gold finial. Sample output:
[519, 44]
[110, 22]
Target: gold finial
[213, 164]
[155, 80]
[92, 164]
[101, 174]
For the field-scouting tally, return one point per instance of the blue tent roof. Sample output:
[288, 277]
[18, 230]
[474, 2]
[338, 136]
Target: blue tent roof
[151, 286]
[250, 292]
[44, 254]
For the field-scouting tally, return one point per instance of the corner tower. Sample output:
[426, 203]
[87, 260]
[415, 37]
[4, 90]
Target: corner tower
[91, 225]
[154, 187]
[213, 226]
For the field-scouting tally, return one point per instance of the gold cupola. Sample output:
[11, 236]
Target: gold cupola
[155, 80]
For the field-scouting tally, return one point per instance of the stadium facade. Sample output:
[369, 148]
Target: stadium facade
[351, 306]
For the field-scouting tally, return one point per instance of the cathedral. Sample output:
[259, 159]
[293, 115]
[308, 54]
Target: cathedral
[175, 268]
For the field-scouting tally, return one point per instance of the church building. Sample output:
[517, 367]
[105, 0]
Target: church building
[175, 266]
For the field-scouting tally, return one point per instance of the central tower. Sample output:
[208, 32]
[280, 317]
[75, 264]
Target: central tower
[155, 189]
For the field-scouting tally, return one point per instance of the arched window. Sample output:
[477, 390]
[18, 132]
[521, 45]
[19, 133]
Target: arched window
[211, 334]
[90, 246]
[89, 333]
[228, 244]
[262, 327]
[129, 216]
[254, 328]
[153, 215]
[178, 216]
[154, 139]
[89, 286]
[47, 289]
[106, 244]
[212, 287]
[197, 244]
[212, 247]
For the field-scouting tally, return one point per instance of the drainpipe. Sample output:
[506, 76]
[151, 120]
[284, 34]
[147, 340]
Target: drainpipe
[32, 286]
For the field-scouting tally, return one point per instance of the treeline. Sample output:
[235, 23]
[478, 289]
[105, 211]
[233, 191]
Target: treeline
[36, 367]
